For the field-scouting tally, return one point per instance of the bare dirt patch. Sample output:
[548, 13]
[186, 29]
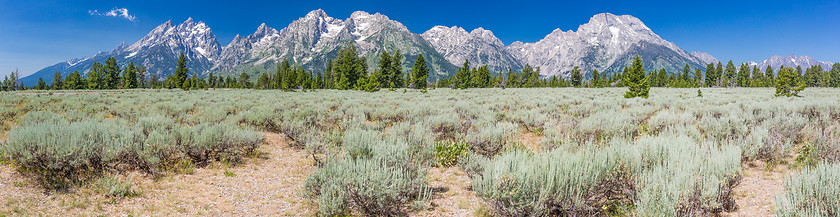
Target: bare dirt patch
[259, 187]
[453, 195]
[532, 141]
[756, 195]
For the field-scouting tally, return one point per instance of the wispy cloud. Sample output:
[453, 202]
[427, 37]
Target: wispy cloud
[116, 12]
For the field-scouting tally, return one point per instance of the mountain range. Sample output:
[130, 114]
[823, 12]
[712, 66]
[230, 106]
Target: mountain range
[606, 43]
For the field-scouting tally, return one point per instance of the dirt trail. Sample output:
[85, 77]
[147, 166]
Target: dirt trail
[259, 187]
[452, 194]
[756, 195]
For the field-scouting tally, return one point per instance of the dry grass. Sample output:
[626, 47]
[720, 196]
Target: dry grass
[756, 195]
[266, 187]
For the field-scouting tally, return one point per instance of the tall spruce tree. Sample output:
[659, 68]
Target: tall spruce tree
[112, 74]
[96, 77]
[576, 77]
[348, 68]
[636, 82]
[130, 76]
[396, 70]
[698, 77]
[57, 83]
[181, 72]
[834, 76]
[462, 76]
[743, 79]
[729, 74]
[383, 72]
[710, 75]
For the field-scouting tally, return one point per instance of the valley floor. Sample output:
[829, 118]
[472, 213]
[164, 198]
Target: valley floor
[269, 185]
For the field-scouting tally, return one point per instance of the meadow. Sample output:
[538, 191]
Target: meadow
[445, 152]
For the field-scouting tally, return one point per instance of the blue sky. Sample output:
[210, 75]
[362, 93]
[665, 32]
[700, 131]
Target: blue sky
[36, 34]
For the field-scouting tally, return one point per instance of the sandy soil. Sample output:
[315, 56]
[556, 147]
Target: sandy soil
[756, 195]
[531, 140]
[259, 187]
[452, 195]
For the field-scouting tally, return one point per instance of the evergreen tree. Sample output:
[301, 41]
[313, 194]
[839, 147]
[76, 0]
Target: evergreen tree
[462, 76]
[788, 83]
[813, 76]
[95, 77]
[187, 84]
[512, 80]
[482, 77]
[181, 73]
[154, 81]
[596, 79]
[141, 78]
[662, 78]
[698, 77]
[769, 75]
[57, 83]
[244, 80]
[73, 81]
[743, 79]
[757, 79]
[420, 72]
[348, 68]
[41, 84]
[730, 74]
[834, 76]
[130, 77]
[263, 82]
[636, 81]
[719, 77]
[112, 74]
[396, 70]
[576, 77]
[711, 80]
[383, 73]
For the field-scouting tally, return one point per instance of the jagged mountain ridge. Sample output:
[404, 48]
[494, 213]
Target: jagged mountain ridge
[314, 39]
[607, 43]
[603, 44]
[792, 61]
[158, 51]
[480, 47]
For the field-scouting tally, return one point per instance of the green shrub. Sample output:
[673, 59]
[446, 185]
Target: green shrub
[447, 153]
[811, 192]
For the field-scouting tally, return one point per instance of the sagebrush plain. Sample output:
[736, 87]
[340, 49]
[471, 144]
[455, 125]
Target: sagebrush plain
[445, 152]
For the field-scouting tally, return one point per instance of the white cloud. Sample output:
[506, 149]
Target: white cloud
[116, 12]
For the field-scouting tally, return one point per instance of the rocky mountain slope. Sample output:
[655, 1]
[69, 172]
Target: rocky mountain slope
[606, 43]
[479, 46]
[792, 61]
[158, 51]
[314, 39]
